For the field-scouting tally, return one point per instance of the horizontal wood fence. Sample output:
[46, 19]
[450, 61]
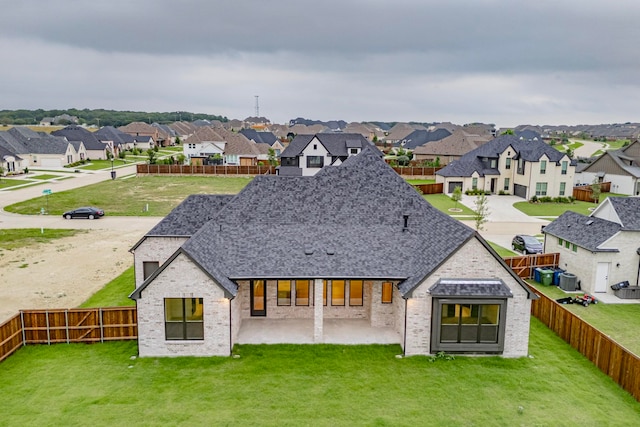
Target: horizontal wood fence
[525, 265]
[610, 357]
[416, 170]
[430, 188]
[204, 170]
[82, 325]
[584, 192]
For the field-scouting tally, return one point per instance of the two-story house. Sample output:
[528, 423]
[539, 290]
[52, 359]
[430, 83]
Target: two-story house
[619, 167]
[307, 154]
[513, 165]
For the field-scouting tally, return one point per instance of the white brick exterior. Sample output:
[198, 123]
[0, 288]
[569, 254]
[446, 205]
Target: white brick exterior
[183, 279]
[157, 249]
[472, 260]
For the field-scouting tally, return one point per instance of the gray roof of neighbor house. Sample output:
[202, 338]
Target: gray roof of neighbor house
[344, 222]
[585, 231]
[420, 137]
[38, 142]
[10, 143]
[78, 133]
[4, 151]
[109, 133]
[335, 143]
[528, 149]
[628, 210]
[259, 137]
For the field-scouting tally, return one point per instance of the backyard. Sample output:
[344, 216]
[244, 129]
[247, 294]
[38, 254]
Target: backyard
[105, 384]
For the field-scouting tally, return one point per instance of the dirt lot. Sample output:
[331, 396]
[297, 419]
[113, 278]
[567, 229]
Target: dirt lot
[64, 272]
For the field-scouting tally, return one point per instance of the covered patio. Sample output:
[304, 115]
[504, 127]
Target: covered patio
[301, 331]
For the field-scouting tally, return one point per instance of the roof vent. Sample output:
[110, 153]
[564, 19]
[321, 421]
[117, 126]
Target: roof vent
[308, 250]
[589, 222]
[405, 226]
[331, 250]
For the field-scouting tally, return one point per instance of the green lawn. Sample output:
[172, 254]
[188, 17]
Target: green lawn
[443, 203]
[8, 183]
[23, 237]
[318, 385]
[502, 251]
[557, 209]
[421, 181]
[620, 321]
[46, 176]
[129, 196]
[103, 164]
[115, 293]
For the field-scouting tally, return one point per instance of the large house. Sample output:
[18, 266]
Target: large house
[307, 154]
[38, 149]
[514, 165]
[95, 149]
[602, 249]
[450, 148]
[289, 259]
[619, 167]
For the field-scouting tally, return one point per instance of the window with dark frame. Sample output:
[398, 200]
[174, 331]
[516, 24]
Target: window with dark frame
[184, 319]
[337, 292]
[302, 292]
[564, 167]
[315, 161]
[507, 163]
[356, 292]
[148, 267]
[387, 292]
[284, 292]
[543, 167]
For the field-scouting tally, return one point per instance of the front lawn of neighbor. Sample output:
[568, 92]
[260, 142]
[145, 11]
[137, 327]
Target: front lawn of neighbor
[318, 385]
[421, 181]
[557, 209]
[12, 182]
[443, 203]
[129, 197]
[103, 164]
[619, 321]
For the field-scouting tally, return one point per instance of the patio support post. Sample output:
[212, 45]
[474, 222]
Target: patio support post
[317, 310]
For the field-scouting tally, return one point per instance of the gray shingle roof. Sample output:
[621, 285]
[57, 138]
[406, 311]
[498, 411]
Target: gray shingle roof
[38, 142]
[335, 143]
[585, 231]
[628, 210]
[420, 137]
[528, 149]
[471, 287]
[78, 133]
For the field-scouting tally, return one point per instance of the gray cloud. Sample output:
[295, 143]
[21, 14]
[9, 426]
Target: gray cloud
[467, 60]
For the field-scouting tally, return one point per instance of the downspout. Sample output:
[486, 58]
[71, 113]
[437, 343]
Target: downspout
[404, 338]
[638, 278]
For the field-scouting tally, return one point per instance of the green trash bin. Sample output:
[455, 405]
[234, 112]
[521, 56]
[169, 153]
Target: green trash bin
[546, 277]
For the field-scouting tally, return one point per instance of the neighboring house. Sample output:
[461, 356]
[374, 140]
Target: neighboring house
[239, 151]
[203, 145]
[352, 245]
[450, 148]
[11, 162]
[307, 154]
[601, 249]
[38, 149]
[264, 138]
[183, 129]
[140, 129]
[620, 167]
[95, 149]
[420, 137]
[46, 121]
[523, 167]
[121, 141]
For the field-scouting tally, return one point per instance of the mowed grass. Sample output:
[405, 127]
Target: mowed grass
[115, 293]
[318, 385]
[24, 237]
[12, 182]
[557, 209]
[443, 203]
[104, 164]
[129, 197]
[619, 321]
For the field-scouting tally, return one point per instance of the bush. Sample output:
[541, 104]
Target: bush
[477, 192]
[534, 199]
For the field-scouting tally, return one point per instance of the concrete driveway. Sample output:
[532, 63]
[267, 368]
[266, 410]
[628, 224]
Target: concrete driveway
[505, 221]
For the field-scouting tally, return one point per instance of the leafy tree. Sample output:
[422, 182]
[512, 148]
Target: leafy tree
[180, 158]
[375, 139]
[122, 154]
[403, 160]
[570, 153]
[271, 153]
[152, 156]
[456, 196]
[508, 132]
[596, 190]
[178, 141]
[1, 171]
[481, 215]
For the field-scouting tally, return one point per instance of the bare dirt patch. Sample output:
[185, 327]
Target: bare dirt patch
[64, 272]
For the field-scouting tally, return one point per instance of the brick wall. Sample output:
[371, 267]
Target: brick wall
[154, 249]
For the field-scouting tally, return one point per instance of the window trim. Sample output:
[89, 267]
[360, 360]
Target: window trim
[184, 321]
[543, 167]
[309, 296]
[507, 184]
[279, 298]
[564, 166]
[563, 188]
[507, 163]
[466, 347]
[318, 165]
[145, 276]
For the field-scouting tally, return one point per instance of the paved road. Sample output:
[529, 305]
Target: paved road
[10, 220]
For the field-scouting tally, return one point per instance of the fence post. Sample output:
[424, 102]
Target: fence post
[101, 326]
[46, 313]
[66, 324]
[24, 337]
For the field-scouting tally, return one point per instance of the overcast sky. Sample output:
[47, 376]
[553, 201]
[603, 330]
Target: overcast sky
[506, 62]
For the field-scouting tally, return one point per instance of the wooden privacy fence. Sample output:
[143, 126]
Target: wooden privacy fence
[584, 192]
[610, 357]
[145, 169]
[525, 265]
[416, 170]
[430, 188]
[82, 325]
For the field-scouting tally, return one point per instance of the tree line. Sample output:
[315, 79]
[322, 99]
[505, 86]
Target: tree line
[103, 117]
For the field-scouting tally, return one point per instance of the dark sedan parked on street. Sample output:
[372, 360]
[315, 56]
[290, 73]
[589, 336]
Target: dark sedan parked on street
[84, 212]
[526, 244]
